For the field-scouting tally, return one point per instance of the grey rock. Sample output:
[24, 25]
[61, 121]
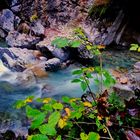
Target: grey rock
[46, 49]
[15, 6]
[53, 64]
[37, 28]
[137, 66]
[7, 20]
[16, 39]
[124, 91]
[17, 59]
[2, 34]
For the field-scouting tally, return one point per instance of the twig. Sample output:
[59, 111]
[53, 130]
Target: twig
[109, 133]
[101, 66]
[78, 125]
[89, 88]
[71, 137]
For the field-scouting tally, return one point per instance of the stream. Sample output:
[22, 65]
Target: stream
[57, 83]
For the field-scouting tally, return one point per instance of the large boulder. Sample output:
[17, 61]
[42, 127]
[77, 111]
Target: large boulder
[18, 59]
[47, 50]
[16, 39]
[7, 20]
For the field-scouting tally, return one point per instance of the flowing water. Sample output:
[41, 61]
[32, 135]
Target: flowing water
[55, 85]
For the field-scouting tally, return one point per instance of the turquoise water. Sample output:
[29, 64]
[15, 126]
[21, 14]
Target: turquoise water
[55, 85]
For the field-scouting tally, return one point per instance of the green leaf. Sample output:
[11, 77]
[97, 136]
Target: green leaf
[76, 115]
[54, 118]
[19, 104]
[31, 113]
[76, 81]
[60, 42]
[92, 116]
[38, 120]
[65, 99]
[75, 43]
[89, 47]
[47, 107]
[97, 81]
[134, 47]
[83, 85]
[84, 136]
[89, 75]
[59, 138]
[47, 129]
[39, 137]
[58, 106]
[77, 72]
[93, 136]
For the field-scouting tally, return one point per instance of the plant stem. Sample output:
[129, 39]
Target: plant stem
[109, 133]
[89, 88]
[71, 137]
[101, 66]
[78, 125]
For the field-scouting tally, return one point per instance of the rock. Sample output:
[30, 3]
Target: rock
[25, 78]
[137, 66]
[47, 50]
[123, 80]
[53, 64]
[37, 54]
[37, 28]
[39, 70]
[16, 39]
[124, 91]
[15, 6]
[112, 31]
[7, 20]
[2, 34]
[134, 76]
[18, 59]
[46, 90]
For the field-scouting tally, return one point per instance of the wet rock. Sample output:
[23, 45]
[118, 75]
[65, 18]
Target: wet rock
[7, 20]
[38, 70]
[47, 50]
[46, 90]
[37, 28]
[53, 64]
[16, 39]
[17, 59]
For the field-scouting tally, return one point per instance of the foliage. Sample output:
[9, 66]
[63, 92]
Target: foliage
[73, 118]
[135, 47]
[33, 18]
[62, 42]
